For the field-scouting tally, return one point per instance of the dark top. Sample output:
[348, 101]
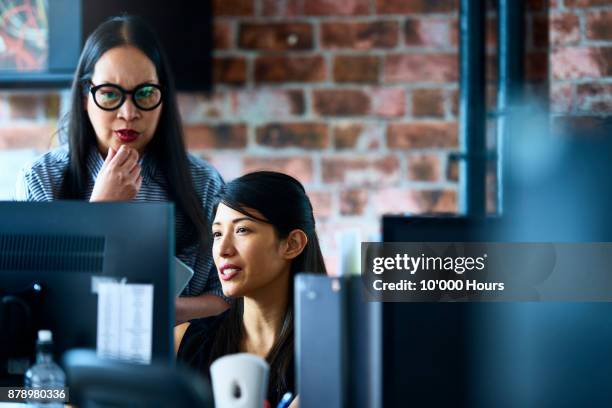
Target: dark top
[196, 347]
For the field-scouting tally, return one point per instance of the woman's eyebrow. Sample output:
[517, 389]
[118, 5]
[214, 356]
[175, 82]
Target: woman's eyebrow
[149, 81]
[235, 220]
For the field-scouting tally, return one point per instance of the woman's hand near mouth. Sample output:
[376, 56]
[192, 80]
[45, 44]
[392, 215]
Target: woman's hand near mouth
[119, 178]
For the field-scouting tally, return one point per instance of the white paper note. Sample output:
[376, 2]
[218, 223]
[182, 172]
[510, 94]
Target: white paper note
[125, 321]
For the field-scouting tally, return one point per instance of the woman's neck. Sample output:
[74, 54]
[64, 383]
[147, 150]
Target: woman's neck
[263, 316]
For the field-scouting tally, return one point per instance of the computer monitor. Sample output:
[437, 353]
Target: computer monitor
[337, 343]
[49, 253]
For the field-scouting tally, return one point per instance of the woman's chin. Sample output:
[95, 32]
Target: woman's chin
[231, 291]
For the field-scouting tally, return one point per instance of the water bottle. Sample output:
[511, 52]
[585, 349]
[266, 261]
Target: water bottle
[44, 374]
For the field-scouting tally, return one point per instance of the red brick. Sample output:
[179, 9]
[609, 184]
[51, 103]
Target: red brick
[353, 202]
[561, 98]
[400, 201]
[540, 31]
[586, 3]
[422, 135]
[195, 107]
[454, 99]
[222, 39]
[267, 103]
[536, 5]
[416, 6]
[275, 36]
[491, 91]
[422, 67]
[536, 66]
[39, 137]
[24, 106]
[322, 204]
[593, 97]
[302, 135]
[388, 102]
[290, 69]
[272, 8]
[604, 59]
[601, 107]
[452, 169]
[230, 70]
[341, 102]
[361, 170]
[428, 102]
[424, 167]
[347, 135]
[491, 31]
[427, 32]
[233, 7]
[362, 36]
[356, 68]
[564, 28]
[356, 136]
[599, 25]
[491, 68]
[573, 62]
[299, 167]
[335, 7]
[226, 162]
[51, 106]
[593, 89]
[216, 137]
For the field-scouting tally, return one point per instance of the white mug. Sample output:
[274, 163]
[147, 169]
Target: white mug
[239, 381]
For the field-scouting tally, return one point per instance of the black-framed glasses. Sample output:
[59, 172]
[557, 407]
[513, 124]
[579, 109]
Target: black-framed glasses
[111, 96]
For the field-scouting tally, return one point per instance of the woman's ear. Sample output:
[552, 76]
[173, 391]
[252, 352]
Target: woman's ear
[295, 243]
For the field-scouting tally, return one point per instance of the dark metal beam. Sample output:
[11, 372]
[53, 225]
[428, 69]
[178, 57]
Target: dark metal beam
[511, 79]
[472, 120]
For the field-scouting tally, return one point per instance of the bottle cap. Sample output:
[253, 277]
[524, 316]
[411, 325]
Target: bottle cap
[45, 335]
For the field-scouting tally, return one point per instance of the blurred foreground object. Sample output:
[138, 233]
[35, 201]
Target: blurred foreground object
[96, 382]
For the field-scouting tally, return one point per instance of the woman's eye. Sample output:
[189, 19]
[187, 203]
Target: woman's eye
[241, 230]
[145, 92]
[216, 234]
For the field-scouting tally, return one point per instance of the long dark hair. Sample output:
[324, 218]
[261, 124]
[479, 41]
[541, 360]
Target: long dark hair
[166, 149]
[283, 202]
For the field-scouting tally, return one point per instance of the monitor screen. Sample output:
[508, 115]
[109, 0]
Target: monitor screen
[50, 256]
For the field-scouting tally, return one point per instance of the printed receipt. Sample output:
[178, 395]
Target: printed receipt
[125, 321]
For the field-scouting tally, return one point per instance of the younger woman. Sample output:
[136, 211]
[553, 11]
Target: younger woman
[264, 233]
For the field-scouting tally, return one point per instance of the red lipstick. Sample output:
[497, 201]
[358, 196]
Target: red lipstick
[127, 135]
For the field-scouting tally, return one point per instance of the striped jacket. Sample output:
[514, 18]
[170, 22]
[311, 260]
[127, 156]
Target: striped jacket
[42, 179]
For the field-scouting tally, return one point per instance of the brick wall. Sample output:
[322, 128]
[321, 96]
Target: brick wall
[581, 61]
[356, 98]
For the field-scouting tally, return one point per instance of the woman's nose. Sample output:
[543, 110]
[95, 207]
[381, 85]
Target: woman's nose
[128, 111]
[226, 246]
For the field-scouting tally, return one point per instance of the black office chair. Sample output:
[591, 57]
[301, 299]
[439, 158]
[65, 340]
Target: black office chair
[96, 382]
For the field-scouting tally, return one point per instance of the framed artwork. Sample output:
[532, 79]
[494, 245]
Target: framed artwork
[40, 42]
